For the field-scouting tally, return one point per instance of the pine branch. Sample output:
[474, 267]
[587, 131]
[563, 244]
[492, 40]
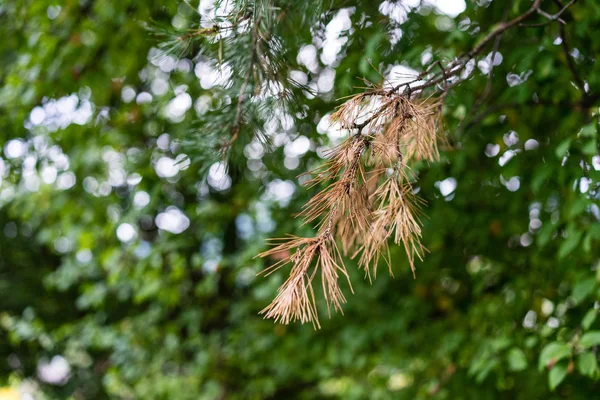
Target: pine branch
[398, 127]
[551, 17]
[457, 66]
[361, 218]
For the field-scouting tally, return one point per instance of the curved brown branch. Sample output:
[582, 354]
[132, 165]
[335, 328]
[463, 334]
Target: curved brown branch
[551, 17]
[457, 66]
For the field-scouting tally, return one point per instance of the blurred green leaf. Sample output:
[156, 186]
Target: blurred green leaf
[562, 148]
[589, 339]
[557, 374]
[583, 289]
[589, 319]
[552, 353]
[569, 244]
[589, 130]
[516, 359]
[587, 363]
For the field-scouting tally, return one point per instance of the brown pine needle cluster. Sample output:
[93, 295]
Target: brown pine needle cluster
[296, 297]
[367, 199]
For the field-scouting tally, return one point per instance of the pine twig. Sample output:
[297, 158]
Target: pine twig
[551, 17]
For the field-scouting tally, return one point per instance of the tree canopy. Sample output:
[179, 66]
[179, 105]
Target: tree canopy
[150, 149]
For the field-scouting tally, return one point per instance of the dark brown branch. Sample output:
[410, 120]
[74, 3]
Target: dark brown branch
[551, 17]
[504, 26]
[566, 49]
[488, 85]
[451, 70]
[235, 131]
[237, 123]
[457, 66]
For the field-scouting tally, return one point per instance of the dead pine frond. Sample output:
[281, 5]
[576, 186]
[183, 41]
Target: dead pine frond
[404, 210]
[367, 201]
[420, 134]
[343, 193]
[295, 299]
[341, 157]
[354, 219]
[375, 246]
[397, 217]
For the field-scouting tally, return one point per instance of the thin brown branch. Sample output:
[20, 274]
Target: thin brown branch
[488, 85]
[237, 123]
[551, 17]
[213, 30]
[238, 119]
[569, 58]
[457, 66]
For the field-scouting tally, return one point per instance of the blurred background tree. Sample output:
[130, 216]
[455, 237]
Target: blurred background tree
[129, 218]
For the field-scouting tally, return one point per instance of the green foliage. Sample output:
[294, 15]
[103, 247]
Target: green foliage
[129, 224]
[517, 361]
[587, 364]
[590, 339]
[552, 353]
[557, 374]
